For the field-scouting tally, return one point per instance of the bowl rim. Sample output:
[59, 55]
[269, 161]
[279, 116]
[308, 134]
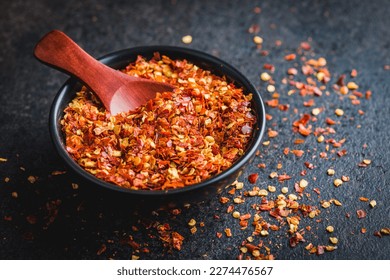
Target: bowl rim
[56, 112]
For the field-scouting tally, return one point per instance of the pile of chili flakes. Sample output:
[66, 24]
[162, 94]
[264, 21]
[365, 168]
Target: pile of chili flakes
[177, 139]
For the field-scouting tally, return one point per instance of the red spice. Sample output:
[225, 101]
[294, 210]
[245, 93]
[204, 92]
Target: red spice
[298, 153]
[252, 178]
[290, 56]
[361, 214]
[283, 177]
[305, 46]
[177, 139]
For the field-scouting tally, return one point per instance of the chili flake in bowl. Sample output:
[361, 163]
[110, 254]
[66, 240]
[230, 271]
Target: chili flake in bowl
[198, 136]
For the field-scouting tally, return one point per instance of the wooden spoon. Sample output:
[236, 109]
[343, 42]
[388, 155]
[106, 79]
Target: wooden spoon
[117, 91]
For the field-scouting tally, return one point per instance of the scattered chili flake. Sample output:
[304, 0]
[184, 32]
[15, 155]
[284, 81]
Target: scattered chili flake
[290, 56]
[342, 153]
[283, 177]
[252, 178]
[177, 240]
[305, 46]
[298, 153]
[101, 250]
[31, 219]
[228, 232]
[58, 172]
[32, 179]
[272, 103]
[272, 133]
[254, 28]
[361, 213]
[269, 67]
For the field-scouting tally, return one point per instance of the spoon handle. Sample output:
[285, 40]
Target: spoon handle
[59, 51]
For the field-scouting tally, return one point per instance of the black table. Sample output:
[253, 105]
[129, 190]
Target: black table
[47, 212]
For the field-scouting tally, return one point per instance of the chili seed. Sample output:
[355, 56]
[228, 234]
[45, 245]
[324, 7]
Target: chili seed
[325, 204]
[352, 86]
[236, 214]
[14, 195]
[187, 39]
[284, 190]
[244, 250]
[336, 202]
[337, 182]
[367, 161]
[320, 139]
[263, 192]
[329, 229]
[330, 172]
[271, 188]
[264, 233]
[192, 223]
[255, 253]
[333, 240]
[303, 183]
[271, 88]
[316, 111]
[292, 196]
[372, 203]
[344, 90]
[258, 40]
[265, 76]
[339, 112]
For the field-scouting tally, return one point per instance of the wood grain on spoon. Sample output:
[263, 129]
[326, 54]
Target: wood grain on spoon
[117, 91]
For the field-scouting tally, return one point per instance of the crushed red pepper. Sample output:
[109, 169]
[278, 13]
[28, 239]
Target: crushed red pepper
[177, 139]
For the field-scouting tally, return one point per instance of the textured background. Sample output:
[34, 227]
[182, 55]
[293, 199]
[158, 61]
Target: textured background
[350, 34]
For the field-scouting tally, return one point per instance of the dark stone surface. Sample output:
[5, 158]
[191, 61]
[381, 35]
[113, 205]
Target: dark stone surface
[350, 34]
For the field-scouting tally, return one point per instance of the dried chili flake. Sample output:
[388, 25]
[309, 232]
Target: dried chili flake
[254, 28]
[283, 177]
[290, 56]
[272, 103]
[101, 250]
[177, 139]
[304, 131]
[298, 153]
[361, 213]
[252, 178]
[269, 67]
[342, 153]
[305, 46]
[272, 133]
[177, 240]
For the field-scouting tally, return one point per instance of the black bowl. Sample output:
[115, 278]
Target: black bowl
[196, 192]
